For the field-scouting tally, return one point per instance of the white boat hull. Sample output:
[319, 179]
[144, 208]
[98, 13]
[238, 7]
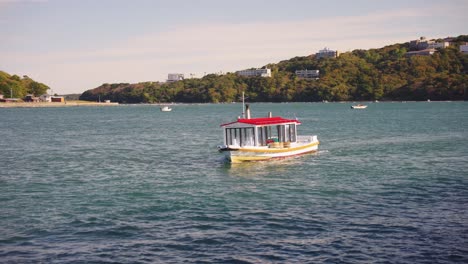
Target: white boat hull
[359, 106]
[245, 154]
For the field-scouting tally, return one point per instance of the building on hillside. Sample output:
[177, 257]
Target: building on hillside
[1, 96]
[423, 44]
[255, 73]
[419, 44]
[174, 77]
[327, 53]
[438, 45]
[449, 39]
[307, 74]
[426, 52]
[464, 48]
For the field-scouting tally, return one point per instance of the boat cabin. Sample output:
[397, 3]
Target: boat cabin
[258, 132]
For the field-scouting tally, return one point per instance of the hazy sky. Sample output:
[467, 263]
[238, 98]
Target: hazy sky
[76, 45]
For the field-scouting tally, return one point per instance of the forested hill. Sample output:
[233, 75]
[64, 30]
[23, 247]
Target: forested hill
[376, 74]
[18, 87]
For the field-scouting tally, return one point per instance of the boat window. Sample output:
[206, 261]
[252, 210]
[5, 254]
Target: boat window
[276, 133]
[262, 136]
[292, 132]
[280, 130]
[248, 137]
[240, 136]
[261, 140]
[229, 137]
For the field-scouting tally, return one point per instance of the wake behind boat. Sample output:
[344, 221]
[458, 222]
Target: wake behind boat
[264, 138]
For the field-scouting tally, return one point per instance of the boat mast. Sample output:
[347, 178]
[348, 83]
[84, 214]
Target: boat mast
[243, 106]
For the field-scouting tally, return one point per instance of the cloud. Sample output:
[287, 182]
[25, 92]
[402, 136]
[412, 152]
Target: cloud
[240, 38]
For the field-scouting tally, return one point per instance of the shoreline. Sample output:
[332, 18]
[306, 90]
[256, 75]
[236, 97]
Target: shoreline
[53, 104]
[84, 103]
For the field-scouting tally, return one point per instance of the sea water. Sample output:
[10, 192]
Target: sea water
[131, 184]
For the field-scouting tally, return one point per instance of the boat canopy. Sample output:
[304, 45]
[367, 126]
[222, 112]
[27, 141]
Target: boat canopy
[263, 121]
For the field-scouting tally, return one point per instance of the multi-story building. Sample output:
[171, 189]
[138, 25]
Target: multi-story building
[255, 73]
[307, 74]
[438, 45]
[327, 53]
[174, 77]
[419, 44]
[423, 44]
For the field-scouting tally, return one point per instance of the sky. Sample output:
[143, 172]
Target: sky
[76, 45]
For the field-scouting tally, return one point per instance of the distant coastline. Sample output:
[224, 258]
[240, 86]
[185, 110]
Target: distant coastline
[46, 104]
[409, 71]
[97, 104]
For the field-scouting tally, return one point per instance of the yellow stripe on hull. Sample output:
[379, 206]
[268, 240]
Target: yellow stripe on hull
[278, 150]
[240, 159]
[257, 154]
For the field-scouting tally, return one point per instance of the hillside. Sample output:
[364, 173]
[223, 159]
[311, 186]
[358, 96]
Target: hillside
[20, 87]
[376, 74]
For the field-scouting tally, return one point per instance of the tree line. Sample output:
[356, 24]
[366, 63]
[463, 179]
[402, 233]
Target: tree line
[18, 87]
[375, 74]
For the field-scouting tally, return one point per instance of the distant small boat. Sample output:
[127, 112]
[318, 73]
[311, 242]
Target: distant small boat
[166, 109]
[359, 106]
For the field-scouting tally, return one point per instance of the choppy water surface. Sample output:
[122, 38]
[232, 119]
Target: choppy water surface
[131, 184]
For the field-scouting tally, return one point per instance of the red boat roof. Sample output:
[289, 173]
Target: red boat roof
[262, 121]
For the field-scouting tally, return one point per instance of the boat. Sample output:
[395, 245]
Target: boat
[359, 106]
[264, 138]
[166, 109]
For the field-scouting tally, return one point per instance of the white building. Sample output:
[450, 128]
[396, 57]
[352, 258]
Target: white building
[307, 74]
[45, 98]
[438, 45]
[464, 48]
[327, 53]
[255, 72]
[174, 77]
